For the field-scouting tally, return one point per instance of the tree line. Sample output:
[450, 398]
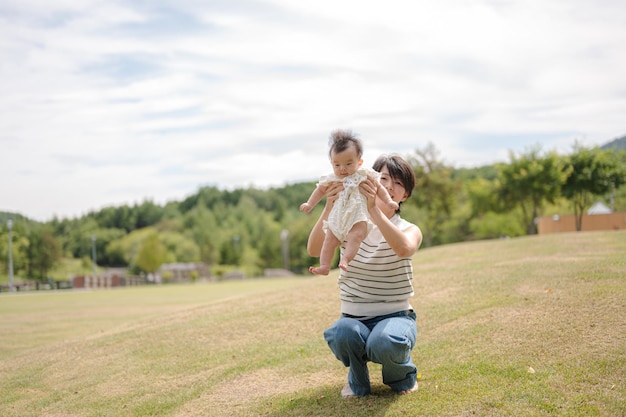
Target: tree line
[253, 229]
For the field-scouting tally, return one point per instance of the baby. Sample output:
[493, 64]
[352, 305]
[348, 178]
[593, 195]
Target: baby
[348, 219]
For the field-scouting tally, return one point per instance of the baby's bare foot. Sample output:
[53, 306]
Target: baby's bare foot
[321, 270]
[343, 263]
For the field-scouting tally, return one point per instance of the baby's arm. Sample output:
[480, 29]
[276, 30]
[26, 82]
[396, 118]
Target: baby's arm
[383, 194]
[316, 197]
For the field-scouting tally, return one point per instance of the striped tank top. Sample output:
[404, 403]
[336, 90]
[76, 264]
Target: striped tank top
[377, 281]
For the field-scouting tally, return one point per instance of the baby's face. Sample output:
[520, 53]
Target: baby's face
[345, 163]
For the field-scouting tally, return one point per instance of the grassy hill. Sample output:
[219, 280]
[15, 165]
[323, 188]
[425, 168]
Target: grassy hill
[531, 326]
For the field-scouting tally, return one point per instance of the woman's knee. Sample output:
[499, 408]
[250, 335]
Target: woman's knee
[344, 332]
[385, 347]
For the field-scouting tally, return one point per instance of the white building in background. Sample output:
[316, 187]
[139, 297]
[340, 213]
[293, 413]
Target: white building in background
[599, 208]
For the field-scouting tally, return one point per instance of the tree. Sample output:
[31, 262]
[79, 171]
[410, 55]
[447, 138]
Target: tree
[529, 181]
[231, 251]
[435, 191]
[299, 226]
[43, 252]
[200, 224]
[122, 217]
[489, 219]
[483, 196]
[179, 247]
[147, 214]
[152, 254]
[590, 173]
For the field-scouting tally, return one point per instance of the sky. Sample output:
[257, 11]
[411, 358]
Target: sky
[112, 102]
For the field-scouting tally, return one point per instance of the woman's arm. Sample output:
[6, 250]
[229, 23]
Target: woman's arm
[316, 237]
[404, 243]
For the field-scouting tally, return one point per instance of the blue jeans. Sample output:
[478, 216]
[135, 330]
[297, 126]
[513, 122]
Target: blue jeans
[387, 340]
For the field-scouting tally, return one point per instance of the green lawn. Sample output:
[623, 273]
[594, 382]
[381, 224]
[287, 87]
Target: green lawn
[532, 326]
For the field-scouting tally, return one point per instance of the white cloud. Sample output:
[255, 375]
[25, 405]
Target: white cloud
[110, 102]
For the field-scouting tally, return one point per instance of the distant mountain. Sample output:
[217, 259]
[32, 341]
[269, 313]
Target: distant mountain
[616, 144]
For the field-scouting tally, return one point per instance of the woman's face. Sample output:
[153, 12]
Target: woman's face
[394, 186]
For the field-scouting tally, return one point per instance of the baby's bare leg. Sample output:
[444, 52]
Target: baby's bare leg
[326, 256]
[354, 238]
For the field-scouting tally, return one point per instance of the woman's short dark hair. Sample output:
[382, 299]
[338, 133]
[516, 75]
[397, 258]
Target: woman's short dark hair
[399, 169]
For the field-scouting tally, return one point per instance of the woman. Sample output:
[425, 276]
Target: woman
[377, 322]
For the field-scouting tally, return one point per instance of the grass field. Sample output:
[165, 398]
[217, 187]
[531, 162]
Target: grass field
[532, 326]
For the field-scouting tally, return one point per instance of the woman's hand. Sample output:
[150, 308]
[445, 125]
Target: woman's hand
[332, 192]
[369, 188]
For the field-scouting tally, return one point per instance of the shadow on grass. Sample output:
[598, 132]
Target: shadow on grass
[327, 401]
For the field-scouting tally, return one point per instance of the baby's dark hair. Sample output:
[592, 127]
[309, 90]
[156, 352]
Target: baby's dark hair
[340, 140]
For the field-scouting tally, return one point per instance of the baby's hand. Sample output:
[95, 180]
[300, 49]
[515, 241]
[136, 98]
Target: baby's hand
[305, 207]
[393, 205]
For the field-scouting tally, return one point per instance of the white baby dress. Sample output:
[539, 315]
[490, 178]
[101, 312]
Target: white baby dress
[351, 205]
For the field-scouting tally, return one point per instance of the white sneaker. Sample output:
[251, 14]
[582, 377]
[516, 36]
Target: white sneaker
[347, 392]
[409, 390]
